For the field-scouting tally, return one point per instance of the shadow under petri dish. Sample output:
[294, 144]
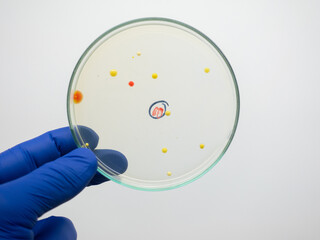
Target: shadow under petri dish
[161, 93]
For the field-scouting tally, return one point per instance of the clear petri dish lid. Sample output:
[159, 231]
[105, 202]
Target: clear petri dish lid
[161, 93]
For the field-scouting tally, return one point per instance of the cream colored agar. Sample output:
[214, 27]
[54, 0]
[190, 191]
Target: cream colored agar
[154, 75]
[139, 53]
[169, 173]
[87, 144]
[113, 72]
[168, 113]
[164, 150]
[201, 146]
[207, 70]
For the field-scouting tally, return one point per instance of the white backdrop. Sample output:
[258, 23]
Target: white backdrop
[267, 184]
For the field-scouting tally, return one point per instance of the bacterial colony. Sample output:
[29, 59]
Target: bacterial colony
[78, 98]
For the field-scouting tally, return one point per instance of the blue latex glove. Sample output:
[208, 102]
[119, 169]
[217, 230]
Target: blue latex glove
[42, 173]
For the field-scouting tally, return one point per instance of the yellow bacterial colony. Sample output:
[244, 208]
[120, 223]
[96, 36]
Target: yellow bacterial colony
[113, 72]
[154, 75]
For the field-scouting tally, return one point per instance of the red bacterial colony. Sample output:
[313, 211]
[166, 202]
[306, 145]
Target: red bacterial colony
[77, 97]
[131, 84]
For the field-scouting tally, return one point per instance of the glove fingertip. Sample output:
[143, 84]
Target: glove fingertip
[89, 136]
[55, 228]
[113, 160]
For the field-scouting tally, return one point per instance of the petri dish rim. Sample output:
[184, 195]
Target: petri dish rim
[159, 19]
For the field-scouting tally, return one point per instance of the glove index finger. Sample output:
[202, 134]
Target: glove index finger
[29, 155]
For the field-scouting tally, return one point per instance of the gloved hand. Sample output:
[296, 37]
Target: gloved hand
[42, 173]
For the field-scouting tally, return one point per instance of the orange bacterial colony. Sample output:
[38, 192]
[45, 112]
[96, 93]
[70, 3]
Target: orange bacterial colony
[77, 97]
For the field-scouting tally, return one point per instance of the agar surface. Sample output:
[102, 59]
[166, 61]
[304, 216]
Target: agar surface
[77, 96]
[154, 75]
[113, 72]
[156, 111]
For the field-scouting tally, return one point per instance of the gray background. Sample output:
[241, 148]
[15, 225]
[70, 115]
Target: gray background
[267, 184]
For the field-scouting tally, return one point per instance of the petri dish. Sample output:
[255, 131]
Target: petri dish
[160, 92]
